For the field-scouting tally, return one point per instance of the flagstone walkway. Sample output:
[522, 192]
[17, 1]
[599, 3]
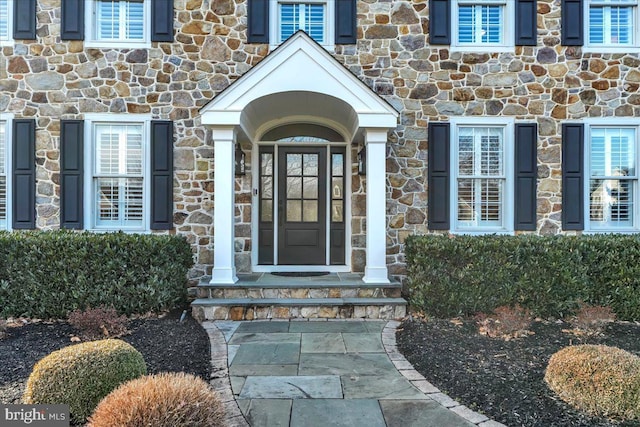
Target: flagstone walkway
[324, 373]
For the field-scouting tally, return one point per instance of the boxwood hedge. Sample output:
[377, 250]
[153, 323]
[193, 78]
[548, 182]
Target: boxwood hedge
[49, 274]
[464, 275]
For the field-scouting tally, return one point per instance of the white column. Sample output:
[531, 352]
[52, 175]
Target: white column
[376, 269]
[224, 269]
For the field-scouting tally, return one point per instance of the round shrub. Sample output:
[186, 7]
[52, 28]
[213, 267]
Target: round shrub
[81, 375]
[163, 400]
[600, 380]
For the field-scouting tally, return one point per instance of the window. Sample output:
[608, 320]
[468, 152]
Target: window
[612, 23]
[311, 16]
[481, 177]
[118, 176]
[6, 7]
[118, 23]
[483, 23]
[612, 158]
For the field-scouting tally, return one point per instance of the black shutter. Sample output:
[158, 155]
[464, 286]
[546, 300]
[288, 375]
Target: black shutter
[72, 20]
[24, 173]
[346, 17]
[71, 173]
[440, 22]
[439, 149]
[573, 176]
[258, 21]
[24, 19]
[572, 22]
[526, 22]
[161, 175]
[526, 174]
[162, 21]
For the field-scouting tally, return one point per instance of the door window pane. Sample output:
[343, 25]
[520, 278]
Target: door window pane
[310, 211]
[336, 211]
[294, 210]
[266, 214]
[294, 188]
[294, 164]
[310, 188]
[310, 164]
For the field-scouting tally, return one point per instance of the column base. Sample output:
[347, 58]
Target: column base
[376, 275]
[223, 276]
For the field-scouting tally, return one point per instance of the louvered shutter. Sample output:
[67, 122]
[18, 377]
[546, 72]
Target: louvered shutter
[526, 172]
[572, 22]
[71, 174]
[440, 21]
[24, 173]
[161, 175]
[258, 21]
[573, 176]
[439, 195]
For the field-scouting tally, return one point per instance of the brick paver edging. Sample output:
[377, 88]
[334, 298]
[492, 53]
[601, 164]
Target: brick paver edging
[431, 391]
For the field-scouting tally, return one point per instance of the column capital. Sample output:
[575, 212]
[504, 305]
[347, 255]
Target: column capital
[223, 133]
[376, 135]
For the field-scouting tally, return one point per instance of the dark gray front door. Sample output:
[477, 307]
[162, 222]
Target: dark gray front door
[302, 177]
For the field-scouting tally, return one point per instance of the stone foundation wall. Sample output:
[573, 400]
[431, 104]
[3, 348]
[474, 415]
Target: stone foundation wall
[51, 80]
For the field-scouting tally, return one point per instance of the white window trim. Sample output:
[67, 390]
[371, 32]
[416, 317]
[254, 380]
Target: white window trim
[89, 200]
[90, 20]
[508, 203]
[7, 118]
[508, 30]
[623, 122]
[603, 48]
[9, 41]
[274, 22]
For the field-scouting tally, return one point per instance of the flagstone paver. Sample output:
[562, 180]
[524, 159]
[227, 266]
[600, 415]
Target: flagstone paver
[325, 373]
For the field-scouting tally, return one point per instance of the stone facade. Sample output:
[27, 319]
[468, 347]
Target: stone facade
[49, 80]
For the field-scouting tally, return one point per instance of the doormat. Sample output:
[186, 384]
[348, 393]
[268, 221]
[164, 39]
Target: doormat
[300, 273]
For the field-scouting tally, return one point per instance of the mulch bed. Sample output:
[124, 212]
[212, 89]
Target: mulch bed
[504, 379]
[166, 344]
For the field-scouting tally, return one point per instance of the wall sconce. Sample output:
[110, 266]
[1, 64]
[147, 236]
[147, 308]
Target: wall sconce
[240, 161]
[362, 161]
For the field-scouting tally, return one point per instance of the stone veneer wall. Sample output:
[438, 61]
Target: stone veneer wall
[49, 79]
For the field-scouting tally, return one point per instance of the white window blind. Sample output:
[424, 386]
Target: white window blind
[309, 17]
[613, 179]
[120, 20]
[4, 20]
[612, 22]
[480, 177]
[3, 175]
[118, 177]
[480, 24]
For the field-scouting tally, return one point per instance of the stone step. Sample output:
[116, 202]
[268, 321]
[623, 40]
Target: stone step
[299, 291]
[287, 308]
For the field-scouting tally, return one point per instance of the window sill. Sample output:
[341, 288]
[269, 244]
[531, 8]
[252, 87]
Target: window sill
[481, 49]
[612, 231]
[119, 230]
[610, 49]
[478, 232]
[7, 43]
[99, 44]
[331, 48]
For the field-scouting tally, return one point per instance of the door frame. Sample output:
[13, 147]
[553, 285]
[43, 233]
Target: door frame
[255, 177]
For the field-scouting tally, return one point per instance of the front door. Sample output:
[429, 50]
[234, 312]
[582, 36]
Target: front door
[302, 178]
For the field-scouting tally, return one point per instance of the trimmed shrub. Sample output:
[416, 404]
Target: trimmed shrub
[600, 380]
[164, 400]
[95, 323]
[81, 375]
[49, 274]
[462, 275]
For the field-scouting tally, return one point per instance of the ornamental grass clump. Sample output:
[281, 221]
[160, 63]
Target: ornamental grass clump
[505, 322]
[600, 380]
[81, 375]
[591, 320]
[163, 400]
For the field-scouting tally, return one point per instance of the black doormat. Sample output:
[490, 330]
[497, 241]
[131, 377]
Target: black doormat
[300, 273]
